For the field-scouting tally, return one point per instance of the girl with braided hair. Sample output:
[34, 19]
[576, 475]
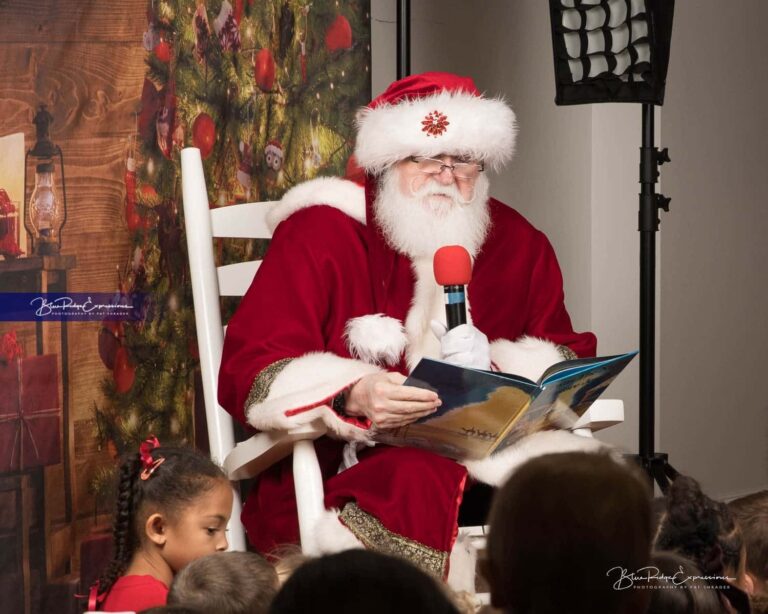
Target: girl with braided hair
[173, 506]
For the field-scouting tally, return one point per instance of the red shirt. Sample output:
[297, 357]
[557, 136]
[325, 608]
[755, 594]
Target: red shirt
[135, 593]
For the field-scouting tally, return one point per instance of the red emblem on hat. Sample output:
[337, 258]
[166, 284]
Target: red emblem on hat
[435, 123]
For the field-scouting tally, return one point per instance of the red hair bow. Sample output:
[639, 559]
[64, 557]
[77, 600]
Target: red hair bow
[148, 463]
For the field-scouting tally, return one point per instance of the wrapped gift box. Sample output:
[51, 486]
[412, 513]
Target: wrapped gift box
[30, 413]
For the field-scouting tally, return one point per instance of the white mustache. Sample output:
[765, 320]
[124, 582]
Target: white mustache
[451, 191]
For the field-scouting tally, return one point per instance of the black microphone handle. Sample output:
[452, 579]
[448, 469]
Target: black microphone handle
[455, 306]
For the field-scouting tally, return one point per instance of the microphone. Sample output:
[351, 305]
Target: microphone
[453, 271]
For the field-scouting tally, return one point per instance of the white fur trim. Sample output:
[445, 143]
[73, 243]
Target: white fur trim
[480, 128]
[462, 564]
[496, 468]
[329, 536]
[308, 382]
[528, 356]
[376, 338]
[346, 196]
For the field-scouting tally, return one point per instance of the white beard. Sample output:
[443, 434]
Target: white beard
[419, 225]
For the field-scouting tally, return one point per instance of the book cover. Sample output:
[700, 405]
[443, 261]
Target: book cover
[485, 411]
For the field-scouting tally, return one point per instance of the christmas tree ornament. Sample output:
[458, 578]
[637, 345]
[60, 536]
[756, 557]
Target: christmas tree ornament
[10, 229]
[245, 168]
[339, 35]
[123, 372]
[109, 343]
[150, 104]
[273, 155]
[151, 36]
[303, 58]
[165, 122]
[204, 134]
[202, 33]
[264, 69]
[178, 136]
[163, 51]
[238, 11]
[148, 195]
[226, 28]
[132, 218]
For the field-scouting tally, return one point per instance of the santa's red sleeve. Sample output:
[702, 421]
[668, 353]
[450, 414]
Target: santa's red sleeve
[284, 357]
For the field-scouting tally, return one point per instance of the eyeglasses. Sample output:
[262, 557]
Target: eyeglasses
[461, 170]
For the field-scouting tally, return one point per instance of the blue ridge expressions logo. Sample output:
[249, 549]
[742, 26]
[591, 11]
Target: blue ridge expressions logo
[80, 306]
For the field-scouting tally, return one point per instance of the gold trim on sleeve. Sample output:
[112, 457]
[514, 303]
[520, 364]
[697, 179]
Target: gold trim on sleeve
[567, 353]
[263, 382]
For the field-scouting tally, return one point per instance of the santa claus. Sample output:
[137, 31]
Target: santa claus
[345, 303]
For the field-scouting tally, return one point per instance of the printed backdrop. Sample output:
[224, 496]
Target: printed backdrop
[267, 89]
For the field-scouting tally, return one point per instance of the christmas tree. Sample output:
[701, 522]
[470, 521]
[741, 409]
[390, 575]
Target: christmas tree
[267, 91]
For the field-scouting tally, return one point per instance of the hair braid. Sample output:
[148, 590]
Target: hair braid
[123, 530]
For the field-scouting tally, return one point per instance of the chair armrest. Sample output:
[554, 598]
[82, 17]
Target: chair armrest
[601, 414]
[254, 455]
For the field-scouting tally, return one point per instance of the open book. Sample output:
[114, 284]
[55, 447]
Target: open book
[485, 411]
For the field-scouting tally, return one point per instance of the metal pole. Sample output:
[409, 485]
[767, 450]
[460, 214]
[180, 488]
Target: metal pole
[648, 226]
[403, 38]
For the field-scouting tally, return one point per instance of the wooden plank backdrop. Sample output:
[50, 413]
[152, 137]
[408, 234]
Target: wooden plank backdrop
[85, 61]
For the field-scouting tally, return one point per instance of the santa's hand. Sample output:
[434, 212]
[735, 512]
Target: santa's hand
[383, 399]
[464, 346]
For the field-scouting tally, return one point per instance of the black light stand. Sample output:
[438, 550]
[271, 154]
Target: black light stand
[656, 464]
[608, 51]
[403, 38]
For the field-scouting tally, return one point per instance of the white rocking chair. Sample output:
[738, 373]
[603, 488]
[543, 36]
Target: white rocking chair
[256, 454]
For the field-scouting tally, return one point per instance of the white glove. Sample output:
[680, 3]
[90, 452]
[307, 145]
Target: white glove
[464, 346]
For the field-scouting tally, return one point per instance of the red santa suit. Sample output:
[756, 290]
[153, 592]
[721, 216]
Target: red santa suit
[333, 302]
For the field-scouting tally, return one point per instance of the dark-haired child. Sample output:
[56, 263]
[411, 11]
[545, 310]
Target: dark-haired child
[173, 505]
[705, 531]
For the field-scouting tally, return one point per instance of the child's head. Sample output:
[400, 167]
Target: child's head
[172, 502]
[751, 513]
[559, 526]
[702, 530]
[226, 583]
[361, 580]
[287, 559]
[679, 589]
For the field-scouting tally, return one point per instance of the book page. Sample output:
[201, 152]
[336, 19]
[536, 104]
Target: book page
[464, 431]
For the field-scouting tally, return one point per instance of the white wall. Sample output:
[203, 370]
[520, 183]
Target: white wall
[714, 293]
[575, 176]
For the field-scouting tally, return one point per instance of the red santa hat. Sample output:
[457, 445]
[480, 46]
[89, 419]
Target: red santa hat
[434, 113]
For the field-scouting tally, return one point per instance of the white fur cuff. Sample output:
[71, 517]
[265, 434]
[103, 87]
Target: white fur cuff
[528, 356]
[376, 339]
[496, 468]
[299, 393]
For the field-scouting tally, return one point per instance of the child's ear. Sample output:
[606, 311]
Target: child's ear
[749, 583]
[156, 529]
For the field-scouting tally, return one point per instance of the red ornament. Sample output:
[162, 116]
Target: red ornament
[149, 193]
[339, 35]
[109, 344]
[163, 51]
[238, 12]
[204, 134]
[123, 372]
[264, 70]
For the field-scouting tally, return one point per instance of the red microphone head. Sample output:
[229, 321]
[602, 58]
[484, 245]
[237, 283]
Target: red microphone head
[453, 266]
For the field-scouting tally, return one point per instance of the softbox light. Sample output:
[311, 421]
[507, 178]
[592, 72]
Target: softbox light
[610, 50]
